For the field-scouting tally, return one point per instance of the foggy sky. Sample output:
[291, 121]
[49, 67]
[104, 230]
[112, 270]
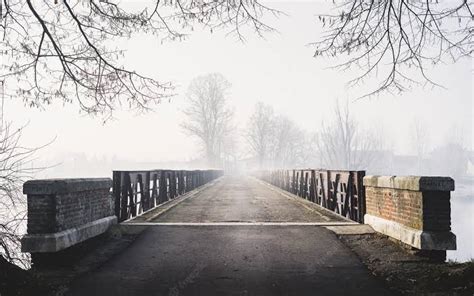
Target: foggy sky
[279, 70]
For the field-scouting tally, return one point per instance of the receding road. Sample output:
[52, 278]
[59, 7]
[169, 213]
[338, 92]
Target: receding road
[215, 254]
[239, 199]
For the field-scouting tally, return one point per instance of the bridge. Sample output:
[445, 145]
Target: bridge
[207, 233]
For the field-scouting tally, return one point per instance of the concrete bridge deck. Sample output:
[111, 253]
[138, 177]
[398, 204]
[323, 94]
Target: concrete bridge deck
[236, 236]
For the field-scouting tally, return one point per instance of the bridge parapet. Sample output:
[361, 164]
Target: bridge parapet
[414, 210]
[65, 212]
[338, 191]
[136, 192]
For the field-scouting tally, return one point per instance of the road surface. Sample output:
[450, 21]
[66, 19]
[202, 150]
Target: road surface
[239, 237]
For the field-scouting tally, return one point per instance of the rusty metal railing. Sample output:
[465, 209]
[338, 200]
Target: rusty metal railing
[138, 191]
[339, 191]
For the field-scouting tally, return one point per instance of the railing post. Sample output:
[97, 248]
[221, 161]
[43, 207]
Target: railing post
[188, 181]
[172, 184]
[154, 194]
[133, 197]
[293, 180]
[328, 190]
[116, 190]
[180, 182]
[361, 195]
[162, 189]
[125, 196]
[146, 192]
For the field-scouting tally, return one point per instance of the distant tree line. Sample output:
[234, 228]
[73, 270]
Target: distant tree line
[271, 140]
[276, 141]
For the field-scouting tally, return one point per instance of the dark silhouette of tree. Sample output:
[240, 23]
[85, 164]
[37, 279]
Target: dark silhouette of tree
[207, 115]
[64, 49]
[396, 40]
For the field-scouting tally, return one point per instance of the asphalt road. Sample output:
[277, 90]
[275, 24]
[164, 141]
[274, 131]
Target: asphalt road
[234, 259]
[241, 199]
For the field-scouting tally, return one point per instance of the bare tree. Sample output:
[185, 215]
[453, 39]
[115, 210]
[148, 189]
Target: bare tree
[229, 153]
[452, 157]
[420, 139]
[65, 49]
[15, 168]
[407, 35]
[275, 140]
[207, 114]
[344, 145]
[290, 148]
[259, 133]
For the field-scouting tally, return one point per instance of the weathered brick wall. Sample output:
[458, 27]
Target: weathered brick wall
[78, 208]
[66, 212]
[54, 208]
[401, 206]
[41, 214]
[409, 203]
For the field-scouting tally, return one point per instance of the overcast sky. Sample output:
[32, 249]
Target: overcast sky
[278, 70]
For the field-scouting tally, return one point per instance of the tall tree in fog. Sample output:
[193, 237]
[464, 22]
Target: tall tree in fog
[343, 144]
[420, 141]
[289, 145]
[259, 132]
[275, 140]
[207, 115]
[451, 158]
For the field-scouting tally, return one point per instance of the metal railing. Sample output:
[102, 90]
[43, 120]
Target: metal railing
[339, 191]
[138, 191]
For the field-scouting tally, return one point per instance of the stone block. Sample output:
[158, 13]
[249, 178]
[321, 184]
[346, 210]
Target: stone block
[422, 240]
[54, 242]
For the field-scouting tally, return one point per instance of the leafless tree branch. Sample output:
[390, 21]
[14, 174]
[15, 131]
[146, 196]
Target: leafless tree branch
[64, 50]
[396, 40]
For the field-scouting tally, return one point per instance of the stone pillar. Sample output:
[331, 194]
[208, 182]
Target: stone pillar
[65, 212]
[414, 210]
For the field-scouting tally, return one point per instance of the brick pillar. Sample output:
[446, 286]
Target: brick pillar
[414, 210]
[65, 212]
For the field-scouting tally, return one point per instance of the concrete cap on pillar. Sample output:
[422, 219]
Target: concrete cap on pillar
[415, 183]
[63, 186]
